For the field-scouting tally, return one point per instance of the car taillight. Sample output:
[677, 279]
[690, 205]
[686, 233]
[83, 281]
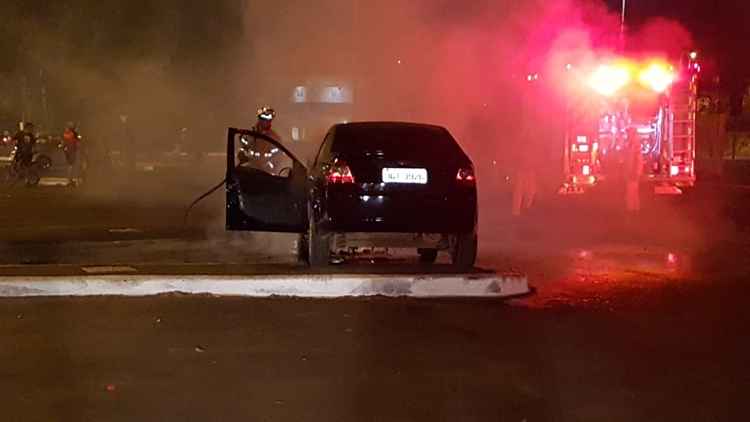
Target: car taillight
[466, 175]
[340, 174]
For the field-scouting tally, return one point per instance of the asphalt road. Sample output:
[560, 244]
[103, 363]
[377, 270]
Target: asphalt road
[653, 350]
[634, 319]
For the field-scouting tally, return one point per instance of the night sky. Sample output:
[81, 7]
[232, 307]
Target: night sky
[720, 28]
[187, 39]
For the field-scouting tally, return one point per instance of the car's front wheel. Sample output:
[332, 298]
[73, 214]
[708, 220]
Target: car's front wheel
[464, 251]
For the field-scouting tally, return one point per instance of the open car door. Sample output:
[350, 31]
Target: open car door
[266, 185]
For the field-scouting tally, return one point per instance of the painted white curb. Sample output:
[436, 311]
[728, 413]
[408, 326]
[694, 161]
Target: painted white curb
[305, 286]
[53, 181]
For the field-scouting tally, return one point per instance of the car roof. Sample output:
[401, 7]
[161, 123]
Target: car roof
[386, 125]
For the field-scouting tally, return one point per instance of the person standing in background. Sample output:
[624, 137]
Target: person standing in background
[525, 184]
[127, 149]
[528, 150]
[633, 171]
[71, 146]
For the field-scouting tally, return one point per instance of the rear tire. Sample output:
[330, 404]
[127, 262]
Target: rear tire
[32, 179]
[319, 245]
[427, 256]
[464, 251]
[303, 249]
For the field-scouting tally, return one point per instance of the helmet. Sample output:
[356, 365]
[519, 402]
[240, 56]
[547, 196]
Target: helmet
[266, 113]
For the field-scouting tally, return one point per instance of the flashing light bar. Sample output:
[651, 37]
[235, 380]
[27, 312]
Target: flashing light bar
[659, 77]
[607, 80]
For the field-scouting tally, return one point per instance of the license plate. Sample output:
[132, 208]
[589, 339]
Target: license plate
[405, 176]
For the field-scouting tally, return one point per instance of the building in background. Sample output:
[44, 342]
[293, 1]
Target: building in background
[317, 104]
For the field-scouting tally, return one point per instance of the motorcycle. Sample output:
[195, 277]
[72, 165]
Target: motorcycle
[19, 171]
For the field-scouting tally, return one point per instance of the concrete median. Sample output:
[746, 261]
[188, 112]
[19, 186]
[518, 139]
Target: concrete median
[300, 285]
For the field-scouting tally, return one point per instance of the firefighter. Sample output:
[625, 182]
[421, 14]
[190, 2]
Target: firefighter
[528, 149]
[260, 154]
[127, 144]
[525, 184]
[264, 123]
[71, 147]
[633, 170]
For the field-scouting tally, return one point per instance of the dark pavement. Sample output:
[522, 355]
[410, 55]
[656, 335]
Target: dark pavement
[674, 351]
[633, 320]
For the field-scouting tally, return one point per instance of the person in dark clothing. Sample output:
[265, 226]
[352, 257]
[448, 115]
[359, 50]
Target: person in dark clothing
[25, 141]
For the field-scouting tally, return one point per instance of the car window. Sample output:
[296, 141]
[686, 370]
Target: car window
[325, 149]
[396, 140]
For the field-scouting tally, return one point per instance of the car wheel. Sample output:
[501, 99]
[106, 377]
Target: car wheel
[427, 256]
[319, 245]
[464, 251]
[44, 162]
[32, 179]
[303, 249]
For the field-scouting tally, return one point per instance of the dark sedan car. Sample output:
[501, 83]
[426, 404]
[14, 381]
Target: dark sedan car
[399, 185]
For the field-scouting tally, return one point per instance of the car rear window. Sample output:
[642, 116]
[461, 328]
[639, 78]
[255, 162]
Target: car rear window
[396, 140]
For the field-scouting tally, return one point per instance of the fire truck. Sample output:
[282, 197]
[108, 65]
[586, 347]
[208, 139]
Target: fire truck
[652, 99]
